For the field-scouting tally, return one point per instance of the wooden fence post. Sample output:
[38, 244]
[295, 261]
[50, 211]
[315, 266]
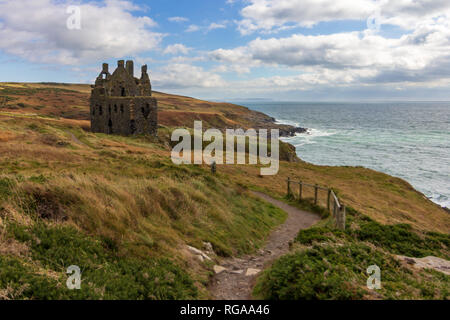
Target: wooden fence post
[300, 191]
[328, 199]
[343, 216]
[336, 219]
[316, 188]
[338, 210]
[334, 208]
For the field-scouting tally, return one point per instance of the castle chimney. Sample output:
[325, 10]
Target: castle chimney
[144, 69]
[130, 67]
[120, 63]
[105, 68]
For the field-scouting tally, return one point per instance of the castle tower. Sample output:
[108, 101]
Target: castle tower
[130, 68]
[145, 84]
[123, 104]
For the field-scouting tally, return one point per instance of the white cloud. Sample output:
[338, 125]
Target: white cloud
[359, 60]
[275, 15]
[214, 26]
[206, 29]
[240, 55]
[232, 68]
[356, 57]
[181, 75]
[36, 30]
[266, 15]
[176, 49]
[178, 19]
[193, 28]
[410, 14]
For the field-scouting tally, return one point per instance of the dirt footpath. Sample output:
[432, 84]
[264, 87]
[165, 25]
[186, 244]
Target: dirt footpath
[237, 275]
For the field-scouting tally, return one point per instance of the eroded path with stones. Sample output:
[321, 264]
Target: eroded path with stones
[237, 275]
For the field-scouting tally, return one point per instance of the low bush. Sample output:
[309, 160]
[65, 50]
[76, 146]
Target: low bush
[333, 264]
[105, 274]
[339, 272]
[397, 239]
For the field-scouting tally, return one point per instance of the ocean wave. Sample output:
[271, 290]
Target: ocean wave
[309, 137]
[406, 142]
[310, 132]
[287, 122]
[440, 199]
[314, 133]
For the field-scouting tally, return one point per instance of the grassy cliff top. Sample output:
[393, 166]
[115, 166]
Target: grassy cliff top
[35, 117]
[71, 101]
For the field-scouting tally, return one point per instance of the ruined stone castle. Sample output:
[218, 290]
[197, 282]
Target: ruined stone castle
[123, 104]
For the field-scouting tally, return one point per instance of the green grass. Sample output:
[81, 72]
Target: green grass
[5, 187]
[331, 264]
[125, 254]
[117, 213]
[307, 205]
[105, 274]
[31, 91]
[399, 239]
[339, 272]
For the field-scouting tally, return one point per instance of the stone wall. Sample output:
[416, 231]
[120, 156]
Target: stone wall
[145, 115]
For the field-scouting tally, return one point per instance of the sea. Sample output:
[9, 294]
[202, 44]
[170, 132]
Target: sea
[410, 140]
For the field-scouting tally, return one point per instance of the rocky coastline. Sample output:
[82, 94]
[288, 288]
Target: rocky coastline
[263, 121]
[288, 130]
[292, 131]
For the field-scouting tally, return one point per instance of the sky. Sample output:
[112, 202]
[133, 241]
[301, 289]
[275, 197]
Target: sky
[293, 50]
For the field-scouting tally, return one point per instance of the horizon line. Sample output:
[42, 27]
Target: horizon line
[255, 99]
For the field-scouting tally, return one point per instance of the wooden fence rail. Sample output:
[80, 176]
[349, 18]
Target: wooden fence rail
[334, 206]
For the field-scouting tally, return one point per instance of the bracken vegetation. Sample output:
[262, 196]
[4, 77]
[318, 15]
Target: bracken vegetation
[47, 251]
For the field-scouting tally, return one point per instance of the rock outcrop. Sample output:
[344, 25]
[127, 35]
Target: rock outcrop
[433, 263]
